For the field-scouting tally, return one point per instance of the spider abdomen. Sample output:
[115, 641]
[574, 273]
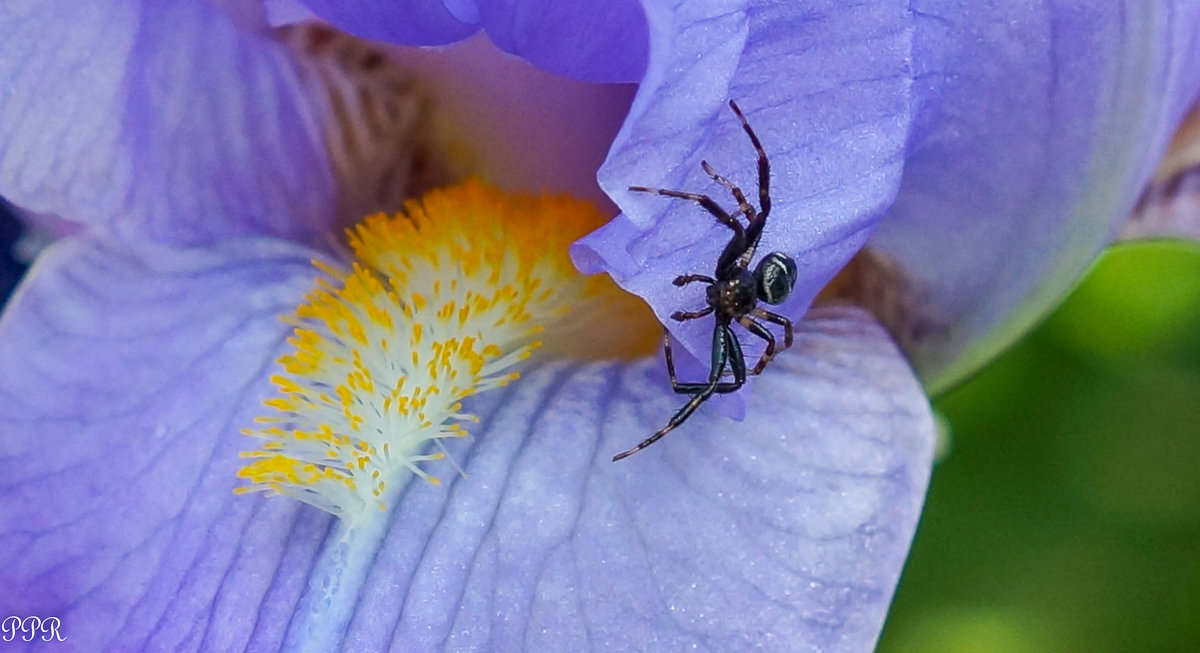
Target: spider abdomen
[776, 275]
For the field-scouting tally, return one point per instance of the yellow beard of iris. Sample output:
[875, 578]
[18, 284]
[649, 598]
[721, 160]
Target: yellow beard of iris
[440, 303]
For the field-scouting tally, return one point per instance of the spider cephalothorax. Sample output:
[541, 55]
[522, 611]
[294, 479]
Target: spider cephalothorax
[733, 291]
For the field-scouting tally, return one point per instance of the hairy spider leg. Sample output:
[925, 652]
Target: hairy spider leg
[744, 207]
[684, 279]
[735, 361]
[727, 353]
[754, 231]
[736, 245]
[741, 259]
[775, 318]
[705, 201]
[682, 316]
[764, 165]
[757, 328]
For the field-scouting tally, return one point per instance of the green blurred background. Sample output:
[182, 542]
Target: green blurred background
[1065, 515]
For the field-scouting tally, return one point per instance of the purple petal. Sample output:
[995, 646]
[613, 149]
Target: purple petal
[126, 373]
[824, 85]
[279, 13]
[592, 41]
[1039, 124]
[786, 531]
[162, 120]
[407, 22]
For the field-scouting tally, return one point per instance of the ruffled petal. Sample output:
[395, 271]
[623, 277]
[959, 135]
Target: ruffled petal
[126, 373]
[589, 41]
[581, 39]
[826, 88]
[407, 22]
[1039, 125]
[160, 120]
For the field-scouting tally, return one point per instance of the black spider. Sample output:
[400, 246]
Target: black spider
[734, 293]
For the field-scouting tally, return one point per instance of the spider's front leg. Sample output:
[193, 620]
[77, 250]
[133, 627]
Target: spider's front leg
[708, 203]
[744, 207]
[764, 164]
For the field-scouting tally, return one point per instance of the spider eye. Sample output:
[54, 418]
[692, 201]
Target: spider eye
[776, 275]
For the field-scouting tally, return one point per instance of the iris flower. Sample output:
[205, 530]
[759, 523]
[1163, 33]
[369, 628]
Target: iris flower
[982, 153]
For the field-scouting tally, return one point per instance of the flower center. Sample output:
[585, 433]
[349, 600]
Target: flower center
[440, 303]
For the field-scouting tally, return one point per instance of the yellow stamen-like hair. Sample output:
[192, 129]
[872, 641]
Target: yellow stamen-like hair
[440, 303]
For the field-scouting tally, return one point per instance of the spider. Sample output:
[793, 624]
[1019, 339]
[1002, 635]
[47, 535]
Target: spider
[733, 292]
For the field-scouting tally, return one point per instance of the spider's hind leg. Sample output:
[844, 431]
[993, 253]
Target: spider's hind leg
[731, 354]
[726, 352]
[757, 328]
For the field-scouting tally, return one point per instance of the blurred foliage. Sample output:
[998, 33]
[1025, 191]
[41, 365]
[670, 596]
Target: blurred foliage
[1066, 513]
